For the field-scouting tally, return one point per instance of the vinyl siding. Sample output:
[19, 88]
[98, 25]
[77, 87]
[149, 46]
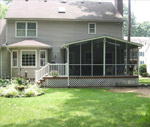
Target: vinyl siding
[56, 33]
[5, 62]
[21, 71]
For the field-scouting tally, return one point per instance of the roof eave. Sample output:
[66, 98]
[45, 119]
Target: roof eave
[90, 39]
[63, 19]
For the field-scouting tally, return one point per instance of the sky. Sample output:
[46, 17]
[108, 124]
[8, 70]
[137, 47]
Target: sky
[140, 8]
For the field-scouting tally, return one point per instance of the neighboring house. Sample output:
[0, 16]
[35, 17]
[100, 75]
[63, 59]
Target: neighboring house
[144, 52]
[83, 40]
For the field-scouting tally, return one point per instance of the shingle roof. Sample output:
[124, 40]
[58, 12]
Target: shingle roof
[29, 43]
[2, 32]
[75, 10]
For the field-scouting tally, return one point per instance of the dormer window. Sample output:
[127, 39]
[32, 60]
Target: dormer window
[26, 29]
[92, 28]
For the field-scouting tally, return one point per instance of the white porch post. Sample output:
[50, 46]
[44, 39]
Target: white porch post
[104, 55]
[138, 63]
[68, 64]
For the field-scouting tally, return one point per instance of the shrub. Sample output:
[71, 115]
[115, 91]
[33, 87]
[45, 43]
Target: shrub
[4, 82]
[10, 92]
[16, 90]
[21, 81]
[143, 70]
[54, 73]
[33, 90]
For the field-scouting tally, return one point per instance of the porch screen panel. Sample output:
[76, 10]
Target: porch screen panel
[86, 53]
[74, 60]
[98, 57]
[98, 51]
[110, 57]
[132, 59]
[121, 58]
[74, 54]
[86, 59]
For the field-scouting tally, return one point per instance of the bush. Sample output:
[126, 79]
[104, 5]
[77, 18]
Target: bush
[33, 90]
[10, 92]
[144, 74]
[143, 70]
[21, 81]
[54, 73]
[26, 91]
[4, 82]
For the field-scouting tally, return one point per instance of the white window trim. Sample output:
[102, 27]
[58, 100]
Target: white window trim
[40, 57]
[89, 28]
[12, 59]
[28, 66]
[26, 29]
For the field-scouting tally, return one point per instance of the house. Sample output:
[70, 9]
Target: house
[81, 40]
[144, 51]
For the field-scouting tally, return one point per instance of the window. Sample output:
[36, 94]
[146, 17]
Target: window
[29, 58]
[42, 58]
[92, 28]
[26, 29]
[14, 58]
[141, 53]
[141, 62]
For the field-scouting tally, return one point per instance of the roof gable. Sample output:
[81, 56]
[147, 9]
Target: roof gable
[75, 10]
[2, 32]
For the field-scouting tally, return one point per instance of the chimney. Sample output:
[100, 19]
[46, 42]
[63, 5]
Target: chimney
[119, 6]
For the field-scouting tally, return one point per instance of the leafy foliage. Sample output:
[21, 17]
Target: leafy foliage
[54, 73]
[137, 29]
[143, 70]
[4, 82]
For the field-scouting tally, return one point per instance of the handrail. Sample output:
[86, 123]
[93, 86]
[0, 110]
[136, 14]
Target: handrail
[61, 68]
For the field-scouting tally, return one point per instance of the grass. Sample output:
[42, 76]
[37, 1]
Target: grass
[74, 108]
[144, 80]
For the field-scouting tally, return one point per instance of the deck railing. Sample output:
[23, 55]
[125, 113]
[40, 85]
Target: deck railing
[60, 69]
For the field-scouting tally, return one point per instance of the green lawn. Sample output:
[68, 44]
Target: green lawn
[74, 108]
[145, 80]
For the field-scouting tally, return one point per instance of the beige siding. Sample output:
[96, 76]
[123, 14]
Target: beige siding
[21, 70]
[5, 62]
[56, 33]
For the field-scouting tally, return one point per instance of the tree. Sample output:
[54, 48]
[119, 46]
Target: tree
[133, 22]
[143, 29]
[3, 8]
[137, 29]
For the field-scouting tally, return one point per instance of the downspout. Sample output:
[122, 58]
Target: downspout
[10, 62]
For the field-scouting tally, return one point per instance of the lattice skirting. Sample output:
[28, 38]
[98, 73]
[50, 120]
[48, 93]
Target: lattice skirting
[91, 82]
[103, 82]
[55, 83]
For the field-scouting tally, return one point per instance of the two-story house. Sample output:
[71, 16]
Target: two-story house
[81, 40]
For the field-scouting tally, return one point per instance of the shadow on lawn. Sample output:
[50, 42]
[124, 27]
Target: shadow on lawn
[90, 108]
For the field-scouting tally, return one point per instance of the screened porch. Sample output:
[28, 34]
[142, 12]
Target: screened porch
[104, 56]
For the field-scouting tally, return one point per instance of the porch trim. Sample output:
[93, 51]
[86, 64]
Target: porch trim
[109, 37]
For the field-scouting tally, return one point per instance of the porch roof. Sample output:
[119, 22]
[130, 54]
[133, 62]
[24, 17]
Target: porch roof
[101, 37]
[29, 43]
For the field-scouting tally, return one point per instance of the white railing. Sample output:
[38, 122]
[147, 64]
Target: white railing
[61, 69]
